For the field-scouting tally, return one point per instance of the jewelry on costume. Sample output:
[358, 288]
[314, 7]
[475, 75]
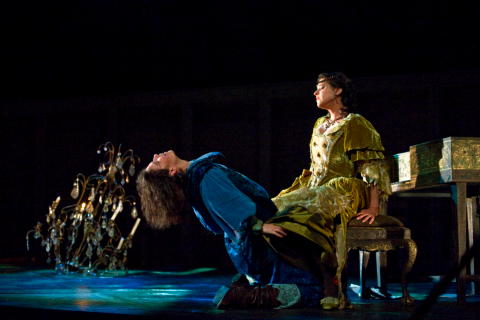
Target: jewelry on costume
[329, 122]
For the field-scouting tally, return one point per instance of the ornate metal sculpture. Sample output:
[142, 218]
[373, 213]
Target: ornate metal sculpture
[85, 236]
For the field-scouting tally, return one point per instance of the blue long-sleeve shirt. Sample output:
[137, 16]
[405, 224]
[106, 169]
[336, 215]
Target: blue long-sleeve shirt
[224, 199]
[227, 204]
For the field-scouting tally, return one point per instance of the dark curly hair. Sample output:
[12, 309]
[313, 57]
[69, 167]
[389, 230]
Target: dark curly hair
[340, 80]
[162, 198]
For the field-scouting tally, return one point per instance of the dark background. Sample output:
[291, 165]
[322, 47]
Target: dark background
[231, 76]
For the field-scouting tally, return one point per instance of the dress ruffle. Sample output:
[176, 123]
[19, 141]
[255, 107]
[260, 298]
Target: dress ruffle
[364, 155]
[376, 172]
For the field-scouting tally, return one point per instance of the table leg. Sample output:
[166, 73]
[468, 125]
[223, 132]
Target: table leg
[459, 195]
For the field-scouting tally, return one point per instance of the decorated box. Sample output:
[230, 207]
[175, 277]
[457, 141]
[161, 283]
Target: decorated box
[450, 159]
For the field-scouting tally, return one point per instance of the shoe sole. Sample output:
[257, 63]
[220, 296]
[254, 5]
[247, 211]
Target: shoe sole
[219, 295]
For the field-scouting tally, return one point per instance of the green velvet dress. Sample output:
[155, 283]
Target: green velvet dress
[345, 159]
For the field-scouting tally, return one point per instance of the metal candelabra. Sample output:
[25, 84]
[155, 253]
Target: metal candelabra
[84, 236]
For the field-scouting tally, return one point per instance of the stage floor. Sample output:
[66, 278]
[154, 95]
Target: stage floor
[42, 294]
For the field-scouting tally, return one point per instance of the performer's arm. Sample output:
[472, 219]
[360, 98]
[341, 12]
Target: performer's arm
[230, 205]
[369, 214]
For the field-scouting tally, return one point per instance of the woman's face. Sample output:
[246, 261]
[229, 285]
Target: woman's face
[326, 95]
[163, 161]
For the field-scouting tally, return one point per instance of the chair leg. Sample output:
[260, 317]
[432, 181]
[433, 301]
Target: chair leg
[364, 257]
[381, 264]
[411, 251]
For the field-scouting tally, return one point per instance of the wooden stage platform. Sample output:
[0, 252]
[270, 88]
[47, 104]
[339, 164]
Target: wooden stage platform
[34, 293]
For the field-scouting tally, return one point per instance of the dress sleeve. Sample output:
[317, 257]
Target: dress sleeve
[376, 172]
[228, 205]
[362, 141]
[364, 148]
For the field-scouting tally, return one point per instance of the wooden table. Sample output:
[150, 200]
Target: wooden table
[446, 167]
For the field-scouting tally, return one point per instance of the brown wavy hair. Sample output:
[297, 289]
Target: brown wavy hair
[162, 198]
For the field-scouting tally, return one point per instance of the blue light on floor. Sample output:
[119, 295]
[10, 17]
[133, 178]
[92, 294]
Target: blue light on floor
[188, 292]
[139, 292]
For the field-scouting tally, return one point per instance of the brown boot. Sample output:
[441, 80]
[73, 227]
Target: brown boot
[248, 297]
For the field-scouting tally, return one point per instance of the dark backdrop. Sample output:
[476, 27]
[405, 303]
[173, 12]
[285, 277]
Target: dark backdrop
[232, 76]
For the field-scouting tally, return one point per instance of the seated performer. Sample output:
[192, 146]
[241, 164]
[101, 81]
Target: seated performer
[347, 178]
[227, 202]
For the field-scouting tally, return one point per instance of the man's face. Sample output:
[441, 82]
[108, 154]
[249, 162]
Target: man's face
[162, 161]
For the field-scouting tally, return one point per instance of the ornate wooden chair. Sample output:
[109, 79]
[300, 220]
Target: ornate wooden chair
[385, 234]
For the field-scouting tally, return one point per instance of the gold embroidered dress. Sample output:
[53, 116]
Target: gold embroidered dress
[345, 160]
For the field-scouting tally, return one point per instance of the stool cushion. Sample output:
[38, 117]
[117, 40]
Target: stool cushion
[380, 221]
[377, 233]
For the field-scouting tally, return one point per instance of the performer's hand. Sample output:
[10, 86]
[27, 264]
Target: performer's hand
[368, 215]
[269, 228]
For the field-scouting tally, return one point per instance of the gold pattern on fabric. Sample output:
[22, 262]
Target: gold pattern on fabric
[324, 199]
[300, 182]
